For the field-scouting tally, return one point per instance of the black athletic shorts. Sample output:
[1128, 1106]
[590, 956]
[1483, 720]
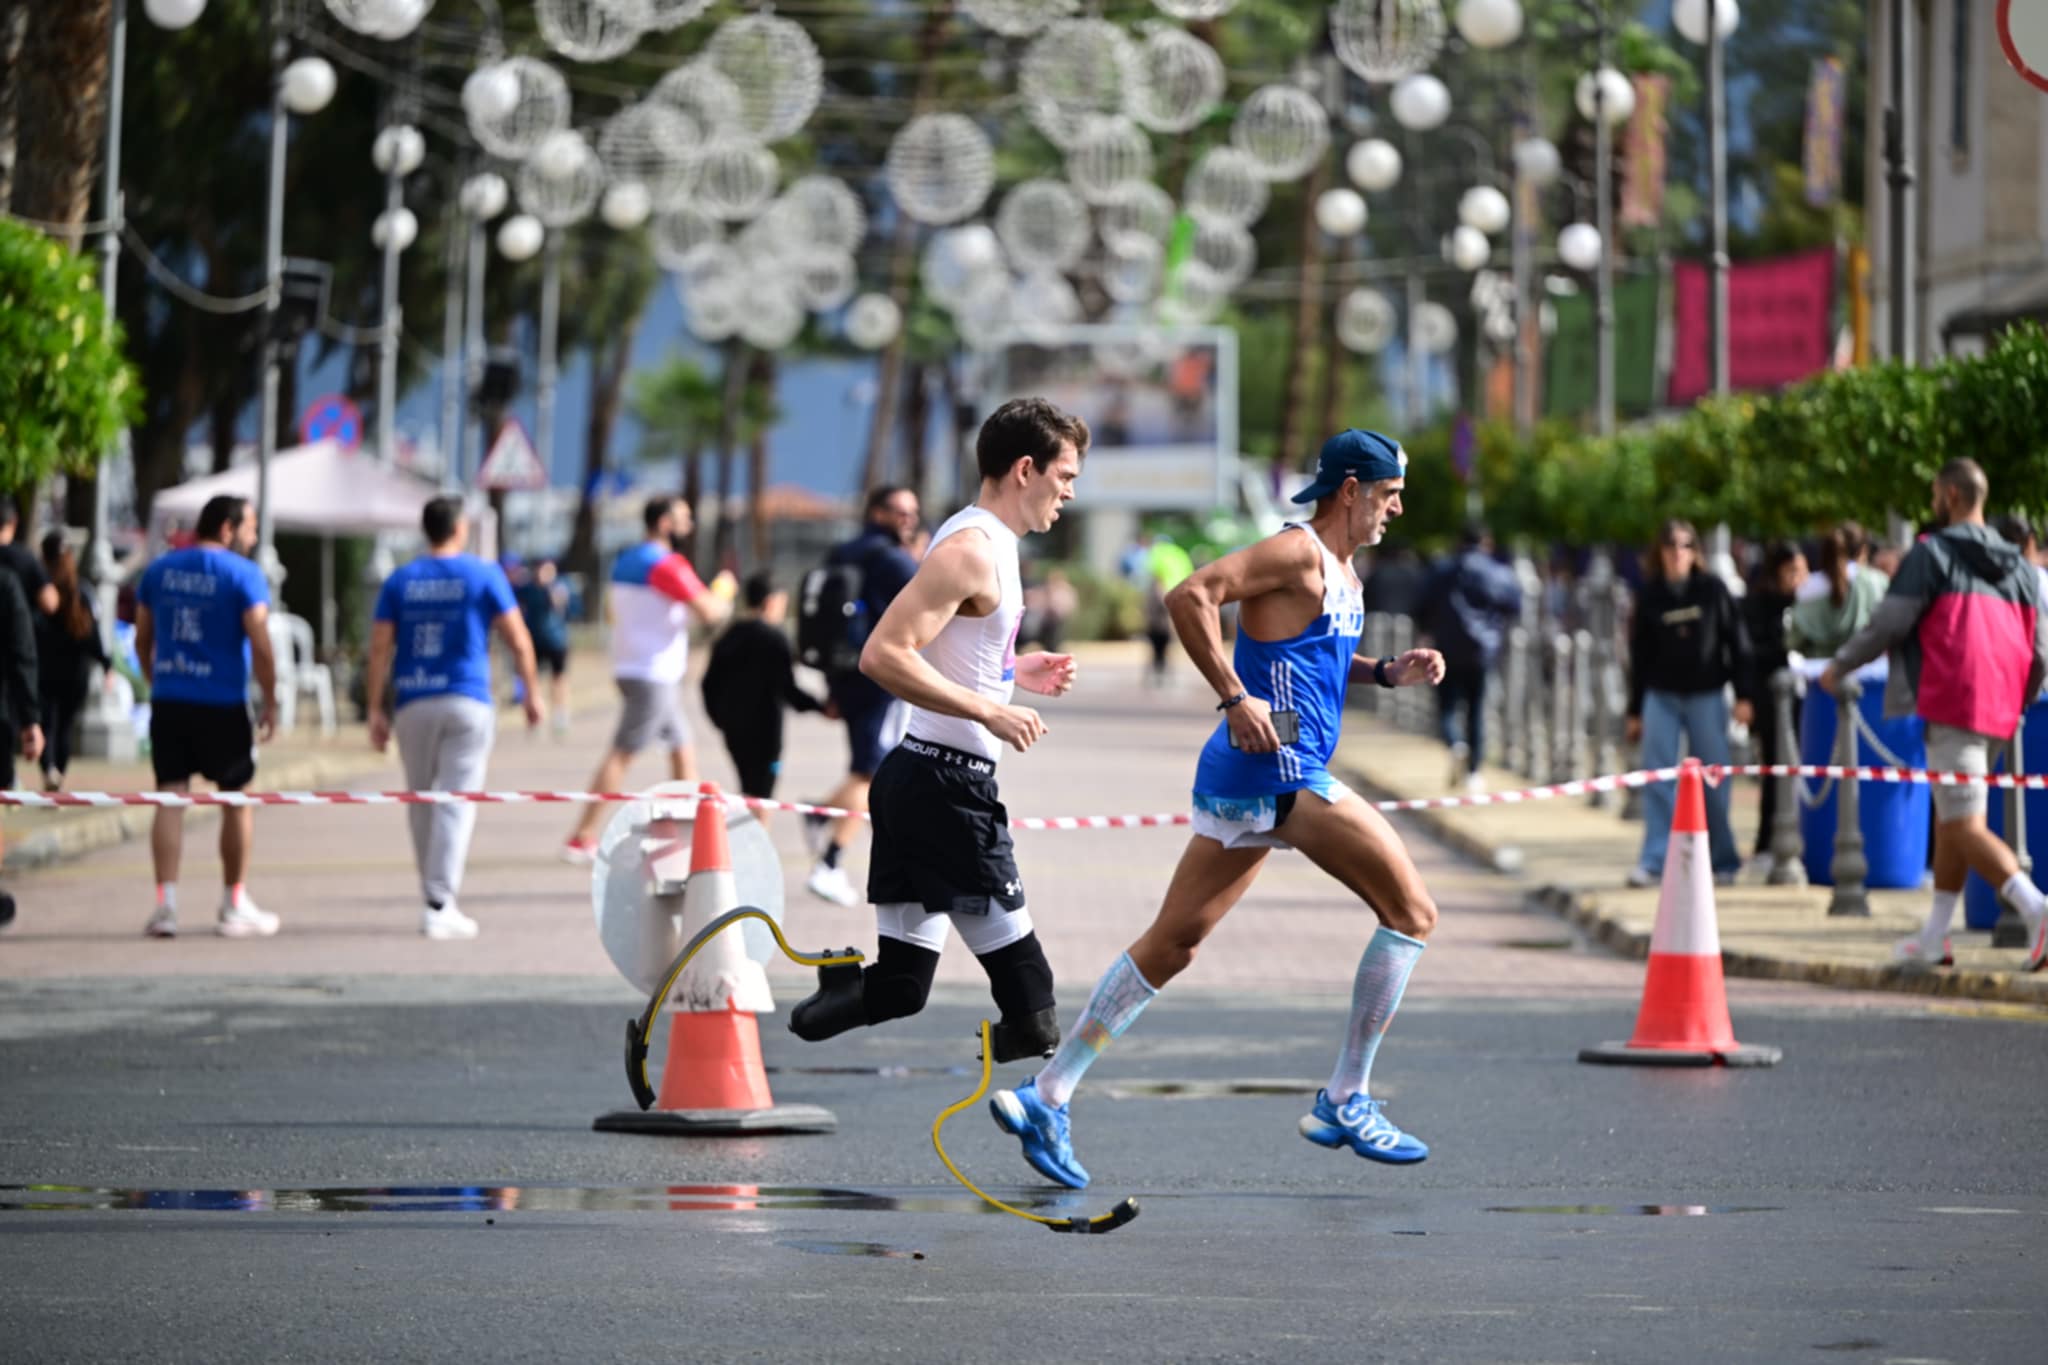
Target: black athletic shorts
[189, 738]
[942, 836]
[554, 661]
[757, 772]
[10, 745]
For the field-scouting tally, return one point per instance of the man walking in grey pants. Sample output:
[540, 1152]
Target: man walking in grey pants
[432, 639]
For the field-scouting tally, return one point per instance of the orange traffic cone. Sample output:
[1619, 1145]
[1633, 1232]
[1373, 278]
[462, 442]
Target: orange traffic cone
[712, 1081]
[1684, 1017]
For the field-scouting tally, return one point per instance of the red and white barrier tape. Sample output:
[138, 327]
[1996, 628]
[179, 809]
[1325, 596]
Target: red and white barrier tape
[1582, 787]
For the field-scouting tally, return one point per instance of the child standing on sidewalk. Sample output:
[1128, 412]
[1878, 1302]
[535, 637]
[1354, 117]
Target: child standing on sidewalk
[750, 679]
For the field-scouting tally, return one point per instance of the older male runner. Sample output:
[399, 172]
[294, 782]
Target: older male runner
[941, 856]
[1264, 782]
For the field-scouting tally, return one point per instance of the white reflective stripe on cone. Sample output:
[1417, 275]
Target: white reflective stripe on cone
[1685, 906]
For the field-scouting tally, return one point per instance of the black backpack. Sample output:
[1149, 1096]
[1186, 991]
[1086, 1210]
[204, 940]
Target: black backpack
[832, 618]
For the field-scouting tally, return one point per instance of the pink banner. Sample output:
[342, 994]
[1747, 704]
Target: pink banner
[1778, 323]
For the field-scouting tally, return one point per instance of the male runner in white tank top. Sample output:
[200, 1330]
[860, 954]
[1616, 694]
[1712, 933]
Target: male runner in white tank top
[941, 855]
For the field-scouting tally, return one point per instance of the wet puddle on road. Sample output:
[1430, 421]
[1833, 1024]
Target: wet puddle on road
[1640, 1210]
[881, 1250]
[498, 1199]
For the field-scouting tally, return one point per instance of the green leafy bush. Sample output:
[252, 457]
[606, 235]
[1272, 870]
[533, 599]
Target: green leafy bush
[66, 387]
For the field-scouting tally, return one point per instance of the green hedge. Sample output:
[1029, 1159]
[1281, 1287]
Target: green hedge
[66, 389]
[1851, 443]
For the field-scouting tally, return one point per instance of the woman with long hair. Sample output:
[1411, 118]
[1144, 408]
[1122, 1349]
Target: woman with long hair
[1686, 645]
[1822, 624]
[67, 647]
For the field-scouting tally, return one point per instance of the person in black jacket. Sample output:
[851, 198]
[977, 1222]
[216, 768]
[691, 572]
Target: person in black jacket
[1686, 645]
[67, 650]
[20, 709]
[1771, 596]
[750, 679]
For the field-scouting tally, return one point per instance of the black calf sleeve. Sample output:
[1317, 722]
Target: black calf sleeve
[896, 986]
[1019, 977]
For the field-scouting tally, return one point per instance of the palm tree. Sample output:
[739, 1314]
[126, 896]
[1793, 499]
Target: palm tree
[678, 407]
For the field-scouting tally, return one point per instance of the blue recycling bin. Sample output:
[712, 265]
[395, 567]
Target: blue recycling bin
[1980, 901]
[1894, 816]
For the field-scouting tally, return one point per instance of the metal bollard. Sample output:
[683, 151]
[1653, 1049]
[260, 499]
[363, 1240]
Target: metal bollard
[1560, 708]
[1603, 612]
[1585, 681]
[1788, 848]
[1849, 867]
[2011, 929]
[1514, 683]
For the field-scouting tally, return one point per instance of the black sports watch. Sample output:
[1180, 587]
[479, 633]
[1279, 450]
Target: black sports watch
[1226, 705]
[1379, 673]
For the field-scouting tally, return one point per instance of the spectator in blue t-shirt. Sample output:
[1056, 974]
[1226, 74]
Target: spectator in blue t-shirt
[432, 638]
[202, 626]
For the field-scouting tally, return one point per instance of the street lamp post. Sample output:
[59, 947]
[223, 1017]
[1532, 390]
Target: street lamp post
[1707, 23]
[1603, 222]
[1898, 155]
[550, 327]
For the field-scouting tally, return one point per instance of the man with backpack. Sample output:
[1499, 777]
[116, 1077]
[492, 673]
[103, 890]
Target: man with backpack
[842, 600]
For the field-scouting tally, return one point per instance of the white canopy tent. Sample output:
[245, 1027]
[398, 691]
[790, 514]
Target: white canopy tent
[323, 490]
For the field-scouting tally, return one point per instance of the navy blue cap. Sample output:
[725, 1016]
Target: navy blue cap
[1366, 456]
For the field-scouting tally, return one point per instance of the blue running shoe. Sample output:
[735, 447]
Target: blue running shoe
[1358, 1124]
[1043, 1131]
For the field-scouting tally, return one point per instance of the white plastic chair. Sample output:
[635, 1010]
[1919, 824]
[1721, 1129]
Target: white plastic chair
[299, 672]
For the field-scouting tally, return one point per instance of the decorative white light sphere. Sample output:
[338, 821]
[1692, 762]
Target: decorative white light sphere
[985, 317]
[387, 20]
[625, 205]
[1421, 102]
[1195, 295]
[1489, 23]
[398, 148]
[1374, 165]
[1042, 303]
[1384, 40]
[667, 14]
[308, 85]
[172, 15]
[587, 30]
[1131, 267]
[1181, 80]
[712, 312]
[773, 317]
[679, 234]
[1485, 208]
[1196, 9]
[1043, 225]
[1689, 17]
[1341, 212]
[1537, 160]
[1467, 248]
[736, 179]
[1138, 209]
[1365, 321]
[1225, 183]
[1226, 249]
[520, 237]
[396, 228]
[703, 93]
[825, 278]
[1616, 96]
[540, 106]
[1283, 129]
[485, 195]
[654, 146]
[1016, 18]
[956, 259]
[1578, 246]
[1434, 329]
[1075, 68]
[825, 212]
[563, 181]
[872, 321]
[1110, 152]
[940, 168]
[777, 69]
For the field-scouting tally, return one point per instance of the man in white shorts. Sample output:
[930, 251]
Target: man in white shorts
[1964, 623]
[941, 856]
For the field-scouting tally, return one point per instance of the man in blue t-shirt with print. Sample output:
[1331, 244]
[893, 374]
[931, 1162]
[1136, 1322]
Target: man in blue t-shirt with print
[432, 640]
[202, 626]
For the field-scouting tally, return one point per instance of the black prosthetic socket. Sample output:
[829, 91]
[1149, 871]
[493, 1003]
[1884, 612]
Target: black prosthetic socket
[896, 986]
[1020, 979]
[834, 1008]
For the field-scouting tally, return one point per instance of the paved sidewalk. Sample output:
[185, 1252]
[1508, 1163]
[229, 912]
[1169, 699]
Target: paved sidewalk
[1573, 858]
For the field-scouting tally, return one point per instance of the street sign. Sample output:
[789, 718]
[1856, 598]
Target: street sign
[512, 463]
[333, 418]
[2023, 33]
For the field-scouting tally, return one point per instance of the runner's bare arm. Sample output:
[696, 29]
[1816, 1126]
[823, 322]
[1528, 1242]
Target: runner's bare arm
[511, 627]
[1195, 604]
[145, 642]
[383, 648]
[263, 664]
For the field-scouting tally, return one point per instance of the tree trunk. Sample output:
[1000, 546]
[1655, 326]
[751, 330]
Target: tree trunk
[1308, 303]
[738, 361]
[693, 494]
[13, 24]
[757, 466]
[917, 420]
[221, 427]
[902, 257]
[63, 113]
[607, 386]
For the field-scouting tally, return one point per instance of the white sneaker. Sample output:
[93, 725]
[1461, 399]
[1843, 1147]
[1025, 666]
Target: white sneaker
[1642, 876]
[832, 884]
[1475, 784]
[1911, 954]
[245, 921]
[446, 923]
[162, 924]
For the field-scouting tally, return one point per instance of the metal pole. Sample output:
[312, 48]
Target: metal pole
[1603, 219]
[273, 280]
[1520, 239]
[1416, 372]
[473, 350]
[1601, 613]
[550, 323]
[451, 358]
[1561, 707]
[1898, 153]
[1850, 867]
[1717, 194]
[387, 338]
[1788, 849]
[2011, 930]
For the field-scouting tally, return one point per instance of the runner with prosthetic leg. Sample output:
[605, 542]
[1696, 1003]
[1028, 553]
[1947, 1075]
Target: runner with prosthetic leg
[1263, 782]
[941, 855]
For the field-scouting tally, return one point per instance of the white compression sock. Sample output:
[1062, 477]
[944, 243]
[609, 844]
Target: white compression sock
[1938, 920]
[1120, 997]
[2024, 897]
[1375, 994]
